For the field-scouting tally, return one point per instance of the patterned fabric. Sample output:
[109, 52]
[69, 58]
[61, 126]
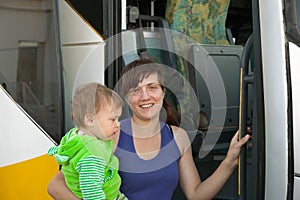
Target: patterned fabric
[192, 22]
[91, 177]
[203, 21]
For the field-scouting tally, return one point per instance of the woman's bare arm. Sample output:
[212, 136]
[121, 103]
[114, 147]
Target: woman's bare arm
[58, 189]
[190, 181]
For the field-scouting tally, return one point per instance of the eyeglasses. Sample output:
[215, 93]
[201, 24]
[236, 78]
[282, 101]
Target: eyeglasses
[149, 88]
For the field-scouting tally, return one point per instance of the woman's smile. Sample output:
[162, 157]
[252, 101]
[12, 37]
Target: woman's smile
[147, 105]
[146, 99]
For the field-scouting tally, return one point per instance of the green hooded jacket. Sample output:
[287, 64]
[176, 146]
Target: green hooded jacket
[89, 166]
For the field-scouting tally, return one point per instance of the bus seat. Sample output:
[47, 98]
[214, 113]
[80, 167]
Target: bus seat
[226, 60]
[202, 20]
[152, 38]
[157, 41]
[129, 46]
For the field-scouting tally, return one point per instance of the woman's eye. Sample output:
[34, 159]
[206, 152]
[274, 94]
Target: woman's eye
[136, 90]
[153, 87]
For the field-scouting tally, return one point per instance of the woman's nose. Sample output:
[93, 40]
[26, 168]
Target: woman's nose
[144, 93]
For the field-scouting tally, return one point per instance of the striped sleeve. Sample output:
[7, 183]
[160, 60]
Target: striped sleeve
[91, 177]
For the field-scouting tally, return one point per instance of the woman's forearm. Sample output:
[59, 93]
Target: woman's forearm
[58, 189]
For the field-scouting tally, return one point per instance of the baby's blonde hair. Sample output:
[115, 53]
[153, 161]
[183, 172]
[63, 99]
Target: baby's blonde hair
[90, 99]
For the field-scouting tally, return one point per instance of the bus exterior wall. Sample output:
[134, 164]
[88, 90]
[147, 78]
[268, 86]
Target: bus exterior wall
[275, 84]
[83, 52]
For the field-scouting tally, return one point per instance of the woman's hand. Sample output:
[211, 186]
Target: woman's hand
[235, 149]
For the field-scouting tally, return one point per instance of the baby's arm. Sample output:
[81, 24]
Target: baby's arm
[91, 177]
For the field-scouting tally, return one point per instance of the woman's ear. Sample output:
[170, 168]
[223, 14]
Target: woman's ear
[89, 119]
[164, 91]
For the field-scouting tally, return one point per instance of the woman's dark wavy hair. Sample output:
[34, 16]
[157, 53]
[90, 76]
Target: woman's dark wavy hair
[139, 69]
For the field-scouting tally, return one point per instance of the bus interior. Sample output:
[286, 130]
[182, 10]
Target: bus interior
[215, 34]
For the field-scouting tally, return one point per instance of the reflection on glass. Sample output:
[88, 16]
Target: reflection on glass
[30, 67]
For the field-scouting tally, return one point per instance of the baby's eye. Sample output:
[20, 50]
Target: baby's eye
[115, 119]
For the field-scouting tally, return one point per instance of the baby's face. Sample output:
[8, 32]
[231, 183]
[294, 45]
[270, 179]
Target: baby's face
[107, 122]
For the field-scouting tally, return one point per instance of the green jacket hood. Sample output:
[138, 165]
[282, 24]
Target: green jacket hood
[71, 144]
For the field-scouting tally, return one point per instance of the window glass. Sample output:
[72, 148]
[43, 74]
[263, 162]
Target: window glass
[91, 11]
[298, 13]
[292, 20]
[30, 65]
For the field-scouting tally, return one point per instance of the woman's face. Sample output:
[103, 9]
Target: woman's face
[146, 99]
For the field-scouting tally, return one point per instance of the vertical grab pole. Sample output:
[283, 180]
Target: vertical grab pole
[245, 79]
[240, 130]
[242, 179]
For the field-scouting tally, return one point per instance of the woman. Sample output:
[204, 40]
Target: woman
[155, 155]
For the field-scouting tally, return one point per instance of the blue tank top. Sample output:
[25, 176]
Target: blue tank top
[156, 178]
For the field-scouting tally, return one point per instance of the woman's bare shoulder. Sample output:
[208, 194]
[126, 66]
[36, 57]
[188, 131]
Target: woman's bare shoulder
[181, 137]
